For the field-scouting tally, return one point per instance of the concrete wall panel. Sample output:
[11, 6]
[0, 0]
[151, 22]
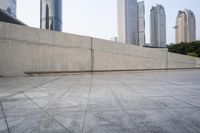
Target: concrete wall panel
[25, 49]
[181, 61]
[72, 41]
[116, 56]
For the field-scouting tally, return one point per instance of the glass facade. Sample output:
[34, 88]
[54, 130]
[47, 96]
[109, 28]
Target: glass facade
[158, 26]
[141, 23]
[13, 7]
[51, 15]
[9, 6]
[128, 21]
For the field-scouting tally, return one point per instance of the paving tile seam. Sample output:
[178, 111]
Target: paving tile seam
[130, 88]
[42, 90]
[185, 102]
[43, 83]
[62, 95]
[116, 98]
[174, 115]
[133, 109]
[169, 82]
[86, 109]
[129, 107]
[172, 83]
[137, 109]
[68, 89]
[126, 86]
[5, 120]
[119, 103]
[89, 111]
[184, 123]
[17, 84]
[46, 113]
[167, 96]
[164, 108]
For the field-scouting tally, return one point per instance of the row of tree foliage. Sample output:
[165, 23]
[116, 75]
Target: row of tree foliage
[191, 49]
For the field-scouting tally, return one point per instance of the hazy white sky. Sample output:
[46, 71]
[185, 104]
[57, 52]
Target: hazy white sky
[98, 18]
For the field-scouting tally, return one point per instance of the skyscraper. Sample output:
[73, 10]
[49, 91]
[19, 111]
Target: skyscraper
[158, 26]
[128, 21]
[185, 26]
[8, 6]
[141, 22]
[51, 15]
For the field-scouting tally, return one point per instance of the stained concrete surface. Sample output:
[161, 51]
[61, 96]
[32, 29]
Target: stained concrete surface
[132, 102]
[22, 52]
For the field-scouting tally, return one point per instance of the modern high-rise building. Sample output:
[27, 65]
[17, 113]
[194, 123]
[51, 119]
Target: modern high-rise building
[141, 22]
[8, 6]
[128, 21]
[51, 15]
[158, 26]
[185, 26]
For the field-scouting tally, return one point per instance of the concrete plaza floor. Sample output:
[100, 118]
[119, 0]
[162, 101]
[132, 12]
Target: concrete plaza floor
[132, 102]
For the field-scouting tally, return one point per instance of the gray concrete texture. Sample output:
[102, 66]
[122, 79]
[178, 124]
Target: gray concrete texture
[26, 49]
[137, 102]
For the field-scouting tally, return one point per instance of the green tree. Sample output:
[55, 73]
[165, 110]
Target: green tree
[191, 49]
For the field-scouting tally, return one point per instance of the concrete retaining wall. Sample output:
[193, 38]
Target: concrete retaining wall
[25, 49]
[111, 56]
[181, 61]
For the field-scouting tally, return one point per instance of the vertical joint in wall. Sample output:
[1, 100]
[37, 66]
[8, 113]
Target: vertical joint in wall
[92, 56]
[166, 60]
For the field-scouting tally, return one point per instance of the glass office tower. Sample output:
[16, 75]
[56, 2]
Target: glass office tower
[158, 26]
[128, 21]
[8, 6]
[141, 23]
[51, 15]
